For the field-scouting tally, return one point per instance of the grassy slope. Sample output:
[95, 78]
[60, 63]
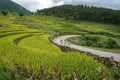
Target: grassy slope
[78, 41]
[30, 54]
[50, 24]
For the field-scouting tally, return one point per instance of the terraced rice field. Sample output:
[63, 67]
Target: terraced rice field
[24, 50]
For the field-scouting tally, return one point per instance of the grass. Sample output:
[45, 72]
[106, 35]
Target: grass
[47, 55]
[100, 41]
[34, 49]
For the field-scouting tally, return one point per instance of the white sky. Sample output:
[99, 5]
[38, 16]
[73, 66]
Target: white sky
[33, 5]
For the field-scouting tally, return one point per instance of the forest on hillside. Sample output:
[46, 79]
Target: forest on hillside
[12, 7]
[83, 12]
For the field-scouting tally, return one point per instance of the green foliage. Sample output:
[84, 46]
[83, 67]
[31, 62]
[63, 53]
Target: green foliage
[5, 13]
[81, 12]
[117, 73]
[37, 51]
[26, 49]
[22, 44]
[21, 14]
[95, 41]
[10, 6]
[110, 43]
[92, 38]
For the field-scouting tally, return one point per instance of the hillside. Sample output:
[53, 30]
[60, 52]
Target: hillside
[30, 49]
[26, 51]
[10, 6]
[83, 12]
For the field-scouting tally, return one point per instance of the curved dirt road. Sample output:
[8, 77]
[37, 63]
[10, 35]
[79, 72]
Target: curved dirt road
[61, 40]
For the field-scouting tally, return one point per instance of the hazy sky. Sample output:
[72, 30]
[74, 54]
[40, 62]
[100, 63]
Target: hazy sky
[32, 5]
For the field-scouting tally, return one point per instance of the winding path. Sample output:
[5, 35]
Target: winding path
[80, 48]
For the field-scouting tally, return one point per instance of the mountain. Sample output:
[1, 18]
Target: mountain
[83, 12]
[10, 6]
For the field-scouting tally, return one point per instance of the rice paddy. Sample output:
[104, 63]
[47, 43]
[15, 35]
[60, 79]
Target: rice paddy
[25, 47]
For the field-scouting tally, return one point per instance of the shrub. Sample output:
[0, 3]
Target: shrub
[91, 38]
[95, 42]
[5, 13]
[21, 14]
[88, 43]
[109, 43]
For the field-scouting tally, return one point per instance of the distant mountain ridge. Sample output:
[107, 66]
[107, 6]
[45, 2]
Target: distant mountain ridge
[10, 6]
[83, 12]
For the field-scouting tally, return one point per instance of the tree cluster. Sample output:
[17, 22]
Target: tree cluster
[5, 13]
[83, 12]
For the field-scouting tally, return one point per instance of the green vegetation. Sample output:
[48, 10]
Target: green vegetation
[110, 43]
[25, 47]
[83, 12]
[21, 15]
[10, 6]
[4, 13]
[97, 41]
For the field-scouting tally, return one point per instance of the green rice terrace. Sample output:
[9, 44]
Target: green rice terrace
[26, 52]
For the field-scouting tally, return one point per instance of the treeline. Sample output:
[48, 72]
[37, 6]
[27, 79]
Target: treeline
[83, 12]
[5, 13]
